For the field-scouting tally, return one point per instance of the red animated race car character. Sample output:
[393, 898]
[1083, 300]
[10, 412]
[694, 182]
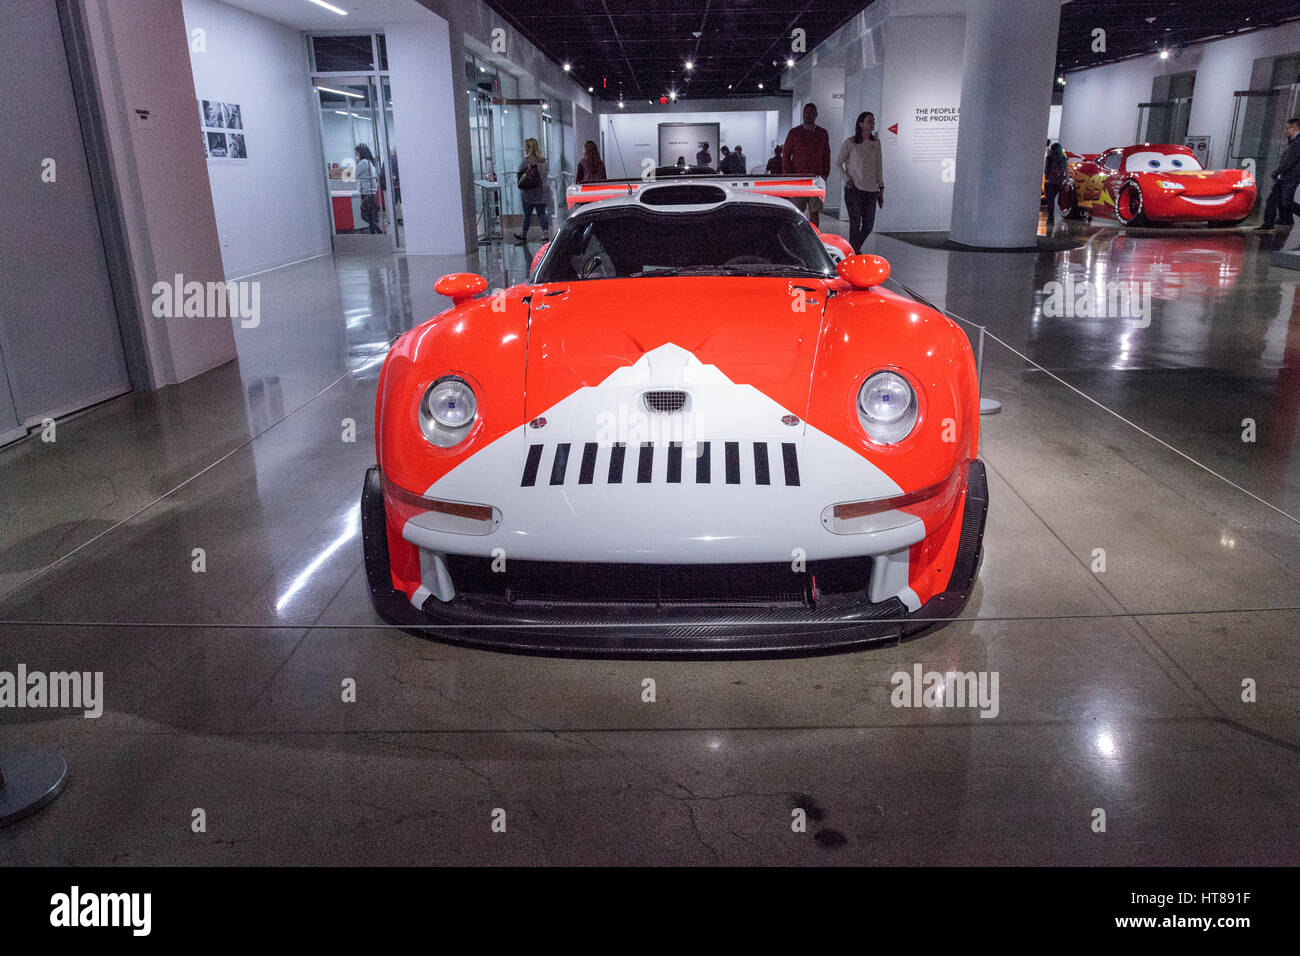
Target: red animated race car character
[688, 432]
[1157, 184]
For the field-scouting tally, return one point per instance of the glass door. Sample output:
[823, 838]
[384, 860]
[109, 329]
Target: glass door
[1164, 122]
[353, 143]
[349, 77]
[482, 148]
[390, 184]
[509, 128]
[1258, 131]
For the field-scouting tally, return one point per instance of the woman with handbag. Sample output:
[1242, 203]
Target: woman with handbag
[532, 188]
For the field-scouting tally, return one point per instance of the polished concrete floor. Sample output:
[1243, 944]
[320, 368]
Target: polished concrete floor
[1120, 690]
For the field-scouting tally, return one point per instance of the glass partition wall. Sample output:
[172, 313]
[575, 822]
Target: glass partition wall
[359, 155]
[500, 121]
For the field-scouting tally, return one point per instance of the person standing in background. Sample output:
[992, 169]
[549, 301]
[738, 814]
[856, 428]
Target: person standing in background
[808, 153]
[733, 163]
[1055, 171]
[724, 158]
[864, 178]
[531, 179]
[591, 168]
[774, 164]
[1281, 207]
[742, 165]
[704, 157]
[368, 181]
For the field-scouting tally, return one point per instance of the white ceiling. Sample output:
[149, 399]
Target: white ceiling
[362, 14]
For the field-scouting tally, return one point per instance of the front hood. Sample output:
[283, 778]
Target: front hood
[757, 332]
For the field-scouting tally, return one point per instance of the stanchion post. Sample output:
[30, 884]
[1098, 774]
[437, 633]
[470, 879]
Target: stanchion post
[988, 406]
[33, 781]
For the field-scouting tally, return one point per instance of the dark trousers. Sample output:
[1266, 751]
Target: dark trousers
[1280, 205]
[1052, 193]
[370, 213]
[541, 216]
[862, 214]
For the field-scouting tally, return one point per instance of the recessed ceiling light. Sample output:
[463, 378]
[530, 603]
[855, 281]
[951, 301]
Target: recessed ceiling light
[690, 65]
[568, 67]
[1164, 54]
[760, 86]
[330, 7]
[789, 61]
[591, 89]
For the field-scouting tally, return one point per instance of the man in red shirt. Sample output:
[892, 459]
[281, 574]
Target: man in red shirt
[807, 152]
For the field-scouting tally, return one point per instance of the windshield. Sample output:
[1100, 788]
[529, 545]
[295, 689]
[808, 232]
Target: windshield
[737, 239]
[1158, 161]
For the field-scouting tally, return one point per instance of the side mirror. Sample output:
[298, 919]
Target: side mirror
[538, 257]
[460, 286]
[862, 271]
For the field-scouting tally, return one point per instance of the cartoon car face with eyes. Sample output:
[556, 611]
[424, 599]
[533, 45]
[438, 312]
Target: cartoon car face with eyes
[1150, 183]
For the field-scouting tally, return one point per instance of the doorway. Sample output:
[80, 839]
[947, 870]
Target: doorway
[1164, 119]
[359, 152]
[1258, 132]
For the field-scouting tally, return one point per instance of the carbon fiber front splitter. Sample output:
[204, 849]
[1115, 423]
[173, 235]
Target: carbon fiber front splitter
[647, 631]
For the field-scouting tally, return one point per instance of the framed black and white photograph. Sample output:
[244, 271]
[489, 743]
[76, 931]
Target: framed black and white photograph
[217, 117]
[213, 113]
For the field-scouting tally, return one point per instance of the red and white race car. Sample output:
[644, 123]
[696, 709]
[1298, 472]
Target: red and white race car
[687, 433]
[1154, 184]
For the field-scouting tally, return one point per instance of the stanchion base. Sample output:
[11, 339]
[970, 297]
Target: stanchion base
[30, 781]
[989, 406]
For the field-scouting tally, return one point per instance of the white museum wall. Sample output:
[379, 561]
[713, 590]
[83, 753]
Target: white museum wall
[1099, 107]
[627, 136]
[426, 84]
[922, 70]
[270, 209]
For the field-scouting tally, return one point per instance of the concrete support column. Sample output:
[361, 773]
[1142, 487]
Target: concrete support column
[1006, 96]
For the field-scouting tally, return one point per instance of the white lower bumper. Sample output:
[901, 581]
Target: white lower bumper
[564, 494]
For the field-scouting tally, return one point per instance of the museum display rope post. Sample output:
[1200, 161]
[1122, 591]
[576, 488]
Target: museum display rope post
[988, 406]
[28, 782]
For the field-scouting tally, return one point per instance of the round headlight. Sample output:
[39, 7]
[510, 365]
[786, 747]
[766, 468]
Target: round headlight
[887, 407]
[447, 411]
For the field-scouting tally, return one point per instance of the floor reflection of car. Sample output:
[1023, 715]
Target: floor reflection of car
[1199, 264]
[1156, 183]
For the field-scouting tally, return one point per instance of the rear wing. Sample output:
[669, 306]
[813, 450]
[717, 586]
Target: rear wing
[785, 187]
